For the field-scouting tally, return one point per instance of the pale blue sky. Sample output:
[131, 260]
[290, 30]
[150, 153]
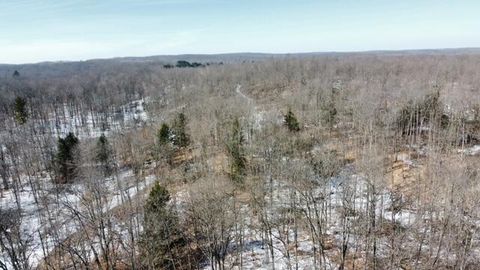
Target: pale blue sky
[33, 31]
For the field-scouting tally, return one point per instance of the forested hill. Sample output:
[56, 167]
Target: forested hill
[249, 161]
[63, 68]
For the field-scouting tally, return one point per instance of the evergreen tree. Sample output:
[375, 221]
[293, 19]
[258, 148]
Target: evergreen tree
[16, 74]
[65, 158]
[20, 110]
[162, 240]
[186, 64]
[180, 136]
[331, 110]
[291, 121]
[331, 115]
[157, 200]
[237, 153]
[104, 154]
[163, 135]
[183, 64]
[164, 150]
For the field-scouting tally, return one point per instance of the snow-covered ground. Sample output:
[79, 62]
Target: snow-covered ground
[55, 208]
[46, 211]
[52, 207]
[256, 250]
[93, 126]
[86, 124]
[471, 151]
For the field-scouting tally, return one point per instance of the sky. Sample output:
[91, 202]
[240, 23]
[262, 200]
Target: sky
[67, 30]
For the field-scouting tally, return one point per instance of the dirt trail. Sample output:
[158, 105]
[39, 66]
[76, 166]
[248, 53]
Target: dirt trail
[239, 91]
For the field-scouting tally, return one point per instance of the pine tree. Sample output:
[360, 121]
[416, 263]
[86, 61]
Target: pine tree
[164, 149]
[331, 110]
[180, 136]
[163, 135]
[20, 110]
[291, 121]
[104, 154]
[162, 240]
[65, 159]
[237, 153]
[331, 116]
[157, 200]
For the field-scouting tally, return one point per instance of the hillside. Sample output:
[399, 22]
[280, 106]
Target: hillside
[254, 161]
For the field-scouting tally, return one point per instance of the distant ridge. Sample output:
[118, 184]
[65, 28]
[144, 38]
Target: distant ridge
[71, 68]
[241, 56]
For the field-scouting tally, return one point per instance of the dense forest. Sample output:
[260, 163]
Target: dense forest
[313, 161]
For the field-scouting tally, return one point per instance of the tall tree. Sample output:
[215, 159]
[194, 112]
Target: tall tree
[163, 135]
[20, 110]
[66, 162]
[104, 155]
[237, 153]
[180, 136]
[162, 240]
[291, 121]
[4, 169]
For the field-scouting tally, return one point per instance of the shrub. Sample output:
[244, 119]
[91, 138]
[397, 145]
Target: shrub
[291, 121]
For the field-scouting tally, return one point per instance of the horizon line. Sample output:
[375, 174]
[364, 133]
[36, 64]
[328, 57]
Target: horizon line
[244, 53]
